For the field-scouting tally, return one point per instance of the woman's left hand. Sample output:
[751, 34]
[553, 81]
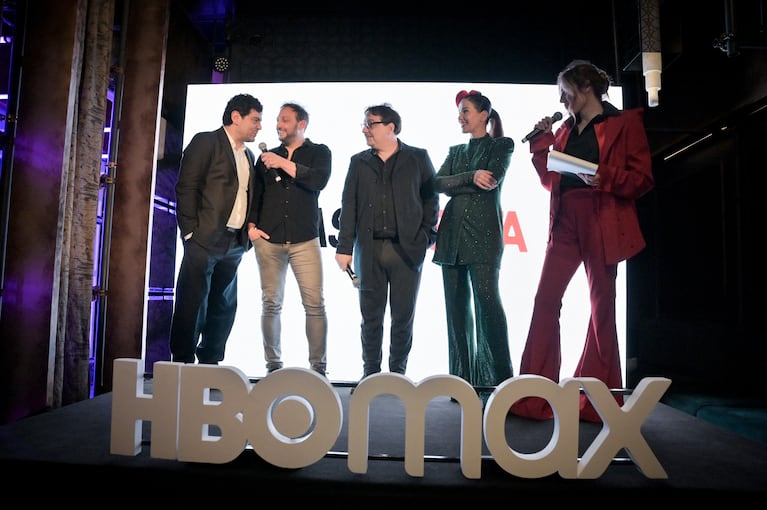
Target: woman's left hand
[485, 180]
[591, 180]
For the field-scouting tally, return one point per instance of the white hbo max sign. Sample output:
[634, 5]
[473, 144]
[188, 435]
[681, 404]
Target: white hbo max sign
[292, 418]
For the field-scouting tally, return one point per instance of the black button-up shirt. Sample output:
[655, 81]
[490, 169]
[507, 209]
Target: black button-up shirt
[385, 226]
[288, 210]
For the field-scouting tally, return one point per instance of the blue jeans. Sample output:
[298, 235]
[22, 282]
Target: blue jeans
[306, 262]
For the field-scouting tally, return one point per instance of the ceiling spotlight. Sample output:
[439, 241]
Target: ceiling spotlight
[221, 64]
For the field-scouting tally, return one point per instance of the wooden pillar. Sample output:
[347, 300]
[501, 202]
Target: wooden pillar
[134, 189]
[33, 270]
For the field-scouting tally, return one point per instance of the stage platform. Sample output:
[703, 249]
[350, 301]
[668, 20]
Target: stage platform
[63, 455]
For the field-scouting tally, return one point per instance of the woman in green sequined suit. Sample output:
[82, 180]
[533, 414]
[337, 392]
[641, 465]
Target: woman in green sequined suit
[470, 245]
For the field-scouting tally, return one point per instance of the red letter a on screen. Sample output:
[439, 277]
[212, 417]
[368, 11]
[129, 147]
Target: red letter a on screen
[512, 232]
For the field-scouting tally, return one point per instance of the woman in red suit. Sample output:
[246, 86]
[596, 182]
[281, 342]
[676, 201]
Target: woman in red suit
[592, 220]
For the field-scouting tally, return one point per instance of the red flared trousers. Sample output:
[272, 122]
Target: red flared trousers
[575, 238]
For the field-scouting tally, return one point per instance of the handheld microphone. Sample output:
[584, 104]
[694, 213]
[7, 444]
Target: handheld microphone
[353, 276]
[535, 132]
[272, 171]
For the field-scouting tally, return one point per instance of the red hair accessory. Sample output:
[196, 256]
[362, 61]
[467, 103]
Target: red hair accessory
[463, 93]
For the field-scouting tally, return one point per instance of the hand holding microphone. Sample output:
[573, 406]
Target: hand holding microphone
[273, 172]
[535, 132]
[353, 276]
[345, 264]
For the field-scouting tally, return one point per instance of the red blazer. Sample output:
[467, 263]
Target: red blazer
[625, 174]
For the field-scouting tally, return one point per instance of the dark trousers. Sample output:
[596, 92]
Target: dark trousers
[206, 300]
[395, 281]
[477, 332]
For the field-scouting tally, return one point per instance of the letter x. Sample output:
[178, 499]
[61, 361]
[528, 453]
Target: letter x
[621, 427]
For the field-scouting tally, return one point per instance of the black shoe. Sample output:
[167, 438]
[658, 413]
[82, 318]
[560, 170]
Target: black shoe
[351, 390]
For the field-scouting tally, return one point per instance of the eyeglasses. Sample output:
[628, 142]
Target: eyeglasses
[370, 123]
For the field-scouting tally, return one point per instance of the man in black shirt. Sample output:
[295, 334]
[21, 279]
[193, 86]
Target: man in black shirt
[284, 229]
[388, 220]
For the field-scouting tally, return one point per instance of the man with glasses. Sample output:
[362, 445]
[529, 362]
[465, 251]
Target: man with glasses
[388, 220]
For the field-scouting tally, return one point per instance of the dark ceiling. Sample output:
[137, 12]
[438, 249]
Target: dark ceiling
[713, 50]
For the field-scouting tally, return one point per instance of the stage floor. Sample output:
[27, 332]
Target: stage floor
[68, 449]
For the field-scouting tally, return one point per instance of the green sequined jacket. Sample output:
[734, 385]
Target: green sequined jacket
[471, 228]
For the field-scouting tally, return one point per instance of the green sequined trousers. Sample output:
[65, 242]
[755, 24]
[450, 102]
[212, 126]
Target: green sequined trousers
[478, 340]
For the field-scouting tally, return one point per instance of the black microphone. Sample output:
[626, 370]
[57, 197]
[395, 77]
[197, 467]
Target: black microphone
[535, 132]
[273, 171]
[353, 276]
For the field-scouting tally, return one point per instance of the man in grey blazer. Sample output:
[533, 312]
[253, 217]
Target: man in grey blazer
[388, 220]
[215, 181]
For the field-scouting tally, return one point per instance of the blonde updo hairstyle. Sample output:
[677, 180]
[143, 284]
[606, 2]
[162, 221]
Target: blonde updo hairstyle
[582, 73]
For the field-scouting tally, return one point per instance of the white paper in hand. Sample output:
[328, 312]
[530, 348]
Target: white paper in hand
[561, 162]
